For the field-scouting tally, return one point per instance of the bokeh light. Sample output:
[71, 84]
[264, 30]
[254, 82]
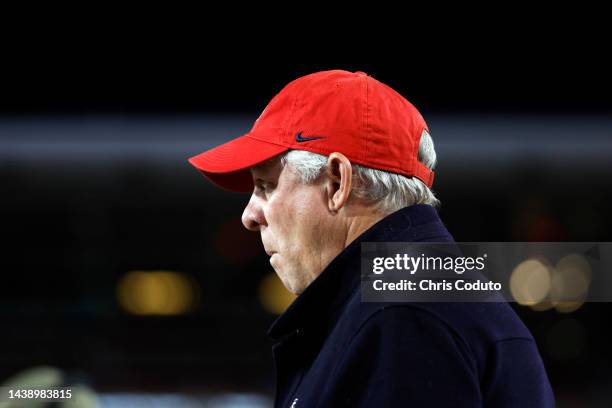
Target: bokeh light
[157, 293]
[273, 295]
[564, 287]
[570, 283]
[530, 281]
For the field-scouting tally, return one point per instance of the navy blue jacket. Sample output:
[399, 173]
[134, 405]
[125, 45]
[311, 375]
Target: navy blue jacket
[332, 350]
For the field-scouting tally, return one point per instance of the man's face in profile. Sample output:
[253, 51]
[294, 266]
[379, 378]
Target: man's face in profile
[294, 223]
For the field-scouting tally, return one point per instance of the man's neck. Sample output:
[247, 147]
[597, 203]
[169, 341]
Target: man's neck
[365, 217]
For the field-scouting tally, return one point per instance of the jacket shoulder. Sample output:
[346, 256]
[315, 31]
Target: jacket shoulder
[482, 351]
[476, 326]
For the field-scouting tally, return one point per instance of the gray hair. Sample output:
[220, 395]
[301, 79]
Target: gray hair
[387, 191]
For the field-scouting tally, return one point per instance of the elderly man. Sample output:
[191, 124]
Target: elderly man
[336, 159]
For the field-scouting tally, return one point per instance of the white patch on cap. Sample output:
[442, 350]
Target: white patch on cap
[425, 132]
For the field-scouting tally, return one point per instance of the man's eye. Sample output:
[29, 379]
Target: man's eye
[261, 185]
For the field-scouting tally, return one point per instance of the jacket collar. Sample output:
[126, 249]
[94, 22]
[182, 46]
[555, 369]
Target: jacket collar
[316, 308]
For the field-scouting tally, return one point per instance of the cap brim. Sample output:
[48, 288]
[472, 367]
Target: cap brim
[227, 165]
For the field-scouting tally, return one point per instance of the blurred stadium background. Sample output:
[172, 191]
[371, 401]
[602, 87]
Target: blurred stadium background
[125, 272]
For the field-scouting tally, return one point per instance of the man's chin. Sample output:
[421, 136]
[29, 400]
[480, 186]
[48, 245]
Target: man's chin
[288, 285]
[291, 285]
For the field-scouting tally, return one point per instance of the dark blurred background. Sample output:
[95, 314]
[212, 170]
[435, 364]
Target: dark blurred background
[126, 272]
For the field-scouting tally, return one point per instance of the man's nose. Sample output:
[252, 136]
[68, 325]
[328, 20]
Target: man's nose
[253, 216]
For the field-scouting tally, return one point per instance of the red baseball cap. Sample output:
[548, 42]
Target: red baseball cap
[325, 112]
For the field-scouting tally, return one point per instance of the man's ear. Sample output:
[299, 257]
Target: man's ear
[339, 179]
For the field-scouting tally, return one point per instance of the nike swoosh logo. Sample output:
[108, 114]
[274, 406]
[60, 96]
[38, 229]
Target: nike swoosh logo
[300, 139]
